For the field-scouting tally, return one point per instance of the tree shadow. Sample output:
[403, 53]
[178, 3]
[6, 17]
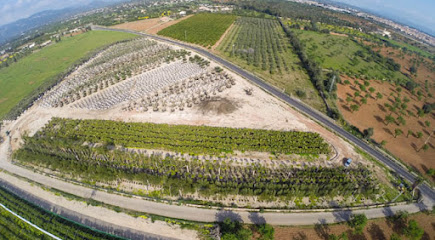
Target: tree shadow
[413, 145]
[425, 236]
[300, 236]
[322, 229]
[382, 108]
[256, 218]
[222, 215]
[379, 119]
[342, 216]
[345, 107]
[376, 232]
[421, 123]
[425, 131]
[349, 95]
[388, 131]
[354, 236]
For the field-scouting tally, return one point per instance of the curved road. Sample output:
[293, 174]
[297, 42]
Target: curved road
[325, 120]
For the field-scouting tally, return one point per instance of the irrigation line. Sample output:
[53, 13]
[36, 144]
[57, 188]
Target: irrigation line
[31, 224]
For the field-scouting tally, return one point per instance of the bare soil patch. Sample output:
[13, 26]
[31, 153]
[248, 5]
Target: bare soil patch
[377, 229]
[152, 25]
[406, 147]
[338, 34]
[3, 99]
[217, 105]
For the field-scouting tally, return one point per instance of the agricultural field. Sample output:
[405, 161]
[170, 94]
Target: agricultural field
[54, 224]
[74, 147]
[375, 229]
[350, 58]
[418, 68]
[260, 46]
[396, 116]
[24, 81]
[151, 25]
[204, 29]
[12, 227]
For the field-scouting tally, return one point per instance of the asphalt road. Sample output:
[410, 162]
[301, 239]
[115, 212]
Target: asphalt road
[325, 120]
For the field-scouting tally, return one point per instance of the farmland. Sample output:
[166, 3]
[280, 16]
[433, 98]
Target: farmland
[188, 139]
[23, 81]
[50, 222]
[350, 58]
[65, 145]
[259, 45]
[203, 29]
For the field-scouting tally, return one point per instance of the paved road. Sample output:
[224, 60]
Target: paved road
[325, 120]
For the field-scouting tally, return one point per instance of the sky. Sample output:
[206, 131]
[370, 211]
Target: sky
[415, 12]
[13, 10]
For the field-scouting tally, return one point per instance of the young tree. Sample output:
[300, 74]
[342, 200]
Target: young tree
[419, 134]
[354, 107]
[358, 223]
[379, 95]
[410, 132]
[364, 101]
[372, 89]
[346, 82]
[368, 133]
[401, 121]
[413, 231]
[399, 89]
[348, 99]
[397, 132]
[357, 94]
[425, 147]
[427, 123]
[388, 119]
[266, 231]
[383, 143]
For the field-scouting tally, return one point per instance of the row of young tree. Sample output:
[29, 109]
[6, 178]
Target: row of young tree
[50, 222]
[259, 42]
[186, 139]
[174, 174]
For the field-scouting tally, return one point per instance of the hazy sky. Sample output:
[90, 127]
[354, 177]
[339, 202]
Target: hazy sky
[418, 12]
[12, 10]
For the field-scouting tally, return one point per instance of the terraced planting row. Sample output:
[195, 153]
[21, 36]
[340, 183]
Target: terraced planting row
[50, 222]
[67, 153]
[186, 139]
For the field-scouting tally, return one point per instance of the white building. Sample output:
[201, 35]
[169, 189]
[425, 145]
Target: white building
[182, 13]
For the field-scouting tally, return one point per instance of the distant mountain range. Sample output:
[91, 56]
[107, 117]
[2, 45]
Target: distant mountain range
[15, 29]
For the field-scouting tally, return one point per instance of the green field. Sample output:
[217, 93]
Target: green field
[13, 228]
[260, 46]
[204, 29]
[339, 53]
[67, 146]
[34, 73]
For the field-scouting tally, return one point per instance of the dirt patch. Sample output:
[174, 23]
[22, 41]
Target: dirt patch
[338, 34]
[3, 100]
[377, 229]
[31, 82]
[217, 105]
[373, 114]
[151, 26]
